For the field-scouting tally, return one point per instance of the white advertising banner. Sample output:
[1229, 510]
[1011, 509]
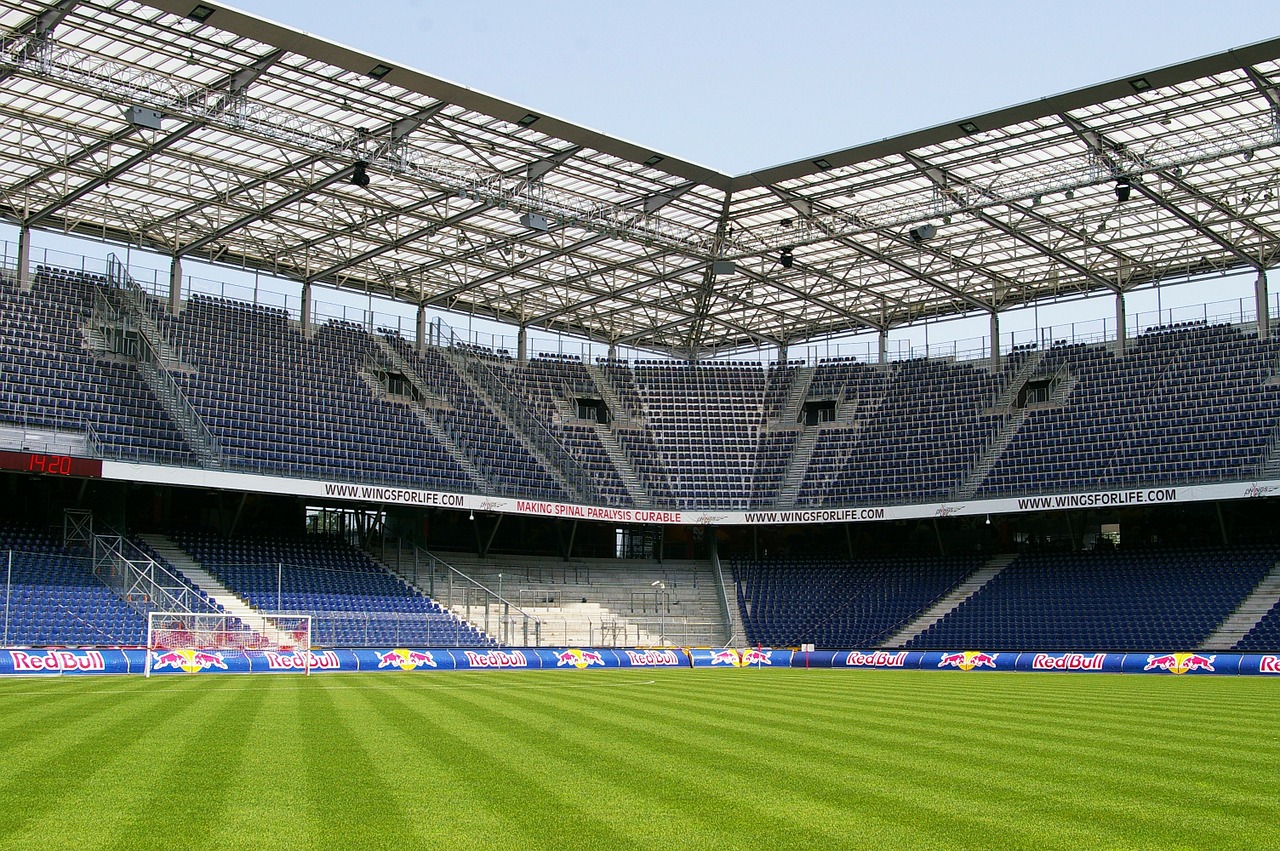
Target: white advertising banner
[395, 495]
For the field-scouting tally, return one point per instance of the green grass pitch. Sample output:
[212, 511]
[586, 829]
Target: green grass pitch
[640, 759]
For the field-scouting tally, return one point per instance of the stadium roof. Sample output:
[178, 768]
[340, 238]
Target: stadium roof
[477, 204]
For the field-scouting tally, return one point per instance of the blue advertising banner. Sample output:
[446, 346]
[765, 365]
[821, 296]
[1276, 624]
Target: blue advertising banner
[751, 657]
[68, 661]
[482, 658]
[262, 661]
[1267, 664]
[1181, 663]
[196, 662]
[27, 662]
[1077, 662]
[401, 659]
[879, 659]
[969, 660]
[675, 657]
[578, 658]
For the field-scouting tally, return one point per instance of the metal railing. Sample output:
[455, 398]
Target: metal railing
[125, 333]
[140, 580]
[530, 428]
[479, 605]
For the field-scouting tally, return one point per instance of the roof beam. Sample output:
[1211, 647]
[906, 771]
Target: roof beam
[235, 85]
[40, 27]
[651, 203]
[1113, 152]
[706, 290]
[806, 207]
[940, 178]
[550, 315]
[397, 131]
[555, 160]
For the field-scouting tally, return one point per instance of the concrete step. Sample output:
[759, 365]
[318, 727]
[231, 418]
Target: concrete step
[1246, 616]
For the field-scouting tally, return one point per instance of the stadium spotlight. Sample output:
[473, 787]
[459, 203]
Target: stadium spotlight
[528, 119]
[1140, 84]
[923, 232]
[654, 160]
[786, 258]
[822, 163]
[379, 71]
[359, 176]
[1124, 187]
[200, 13]
[969, 127]
[473, 515]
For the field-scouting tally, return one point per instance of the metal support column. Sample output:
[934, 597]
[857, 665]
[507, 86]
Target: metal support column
[24, 259]
[522, 344]
[305, 320]
[175, 285]
[884, 345]
[420, 341]
[1263, 311]
[1120, 323]
[995, 341]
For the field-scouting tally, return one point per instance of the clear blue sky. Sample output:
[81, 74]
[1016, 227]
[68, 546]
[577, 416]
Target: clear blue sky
[742, 84]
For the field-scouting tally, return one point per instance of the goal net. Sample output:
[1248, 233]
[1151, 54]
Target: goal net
[191, 640]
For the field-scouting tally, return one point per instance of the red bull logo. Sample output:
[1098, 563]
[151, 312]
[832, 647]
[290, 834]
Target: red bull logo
[326, 661]
[1068, 662]
[878, 659]
[497, 659]
[1180, 663]
[1266, 665]
[742, 659]
[652, 658]
[57, 660]
[968, 660]
[191, 661]
[579, 658]
[406, 660]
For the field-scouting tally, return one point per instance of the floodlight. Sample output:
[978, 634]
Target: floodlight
[360, 177]
[786, 258]
[1124, 187]
[654, 160]
[200, 13]
[923, 232]
[528, 119]
[1140, 84]
[379, 71]
[822, 163]
[969, 127]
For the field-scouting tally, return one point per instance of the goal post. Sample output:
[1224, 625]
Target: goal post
[194, 640]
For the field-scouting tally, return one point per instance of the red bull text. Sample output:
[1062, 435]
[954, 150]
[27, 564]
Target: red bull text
[1068, 662]
[57, 660]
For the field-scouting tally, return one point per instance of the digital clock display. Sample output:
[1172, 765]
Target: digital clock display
[53, 465]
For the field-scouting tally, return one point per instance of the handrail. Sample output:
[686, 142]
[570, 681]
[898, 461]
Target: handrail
[721, 593]
[149, 354]
[531, 427]
[140, 580]
[452, 571]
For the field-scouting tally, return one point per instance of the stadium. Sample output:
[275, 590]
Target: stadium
[694, 443]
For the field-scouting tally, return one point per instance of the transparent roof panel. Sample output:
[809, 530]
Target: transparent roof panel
[280, 151]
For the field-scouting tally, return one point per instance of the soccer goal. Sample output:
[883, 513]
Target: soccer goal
[194, 641]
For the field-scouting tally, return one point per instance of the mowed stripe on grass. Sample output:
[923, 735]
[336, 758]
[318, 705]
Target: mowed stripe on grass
[640, 759]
